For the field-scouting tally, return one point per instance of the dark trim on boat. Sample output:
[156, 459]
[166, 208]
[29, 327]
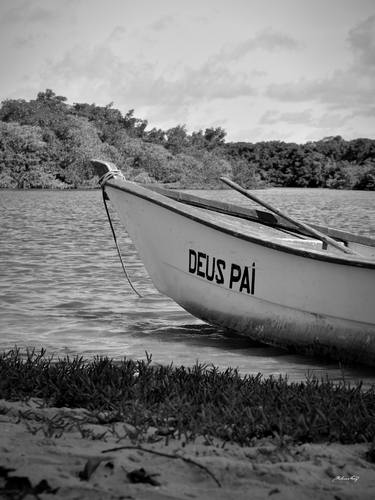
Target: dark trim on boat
[157, 198]
[252, 214]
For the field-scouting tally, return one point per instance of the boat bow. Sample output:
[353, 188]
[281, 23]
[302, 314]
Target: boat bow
[252, 273]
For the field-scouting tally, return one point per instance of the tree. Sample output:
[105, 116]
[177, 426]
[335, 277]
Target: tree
[203, 169]
[24, 157]
[14, 110]
[156, 136]
[81, 143]
[366, 177]
[246, 174]
[177, 139]
[214, 137]
[50, 98]
[105, 119]
[47, 142]
[135, 127]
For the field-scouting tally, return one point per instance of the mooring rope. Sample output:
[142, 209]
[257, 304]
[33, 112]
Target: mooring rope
[117, 247]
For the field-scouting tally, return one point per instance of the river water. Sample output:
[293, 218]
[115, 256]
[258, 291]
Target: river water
[62, 287]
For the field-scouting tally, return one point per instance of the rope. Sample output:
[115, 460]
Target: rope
[117, 247]
[108, 176]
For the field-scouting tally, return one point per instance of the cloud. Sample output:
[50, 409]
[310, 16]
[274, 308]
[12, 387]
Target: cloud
[271, 117]
[162, 23]
[200, 20]
[27, 12]
[362, 41]
[344, 89]
[117, 34]
[331, 121]
[335, 89]
[351, 88]
[213, 81]
[305, 118]
[144, 83]
[28, 41]
[267, 40]
[368, 111]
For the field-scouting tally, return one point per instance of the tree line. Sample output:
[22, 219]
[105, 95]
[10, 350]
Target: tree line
[48, 143]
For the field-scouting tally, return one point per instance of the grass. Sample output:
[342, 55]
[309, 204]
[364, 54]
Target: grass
[193, 401]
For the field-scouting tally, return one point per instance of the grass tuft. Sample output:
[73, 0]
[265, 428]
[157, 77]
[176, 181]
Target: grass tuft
[193, 401]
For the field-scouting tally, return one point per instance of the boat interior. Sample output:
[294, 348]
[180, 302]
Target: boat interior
[273, 226]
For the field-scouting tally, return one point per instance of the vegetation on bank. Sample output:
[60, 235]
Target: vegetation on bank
[47, 143]
[196, 401]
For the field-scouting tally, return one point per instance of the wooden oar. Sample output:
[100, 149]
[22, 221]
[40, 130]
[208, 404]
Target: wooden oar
[313, 232]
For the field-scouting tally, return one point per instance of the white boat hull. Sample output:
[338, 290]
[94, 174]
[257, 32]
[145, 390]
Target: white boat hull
[267, 293]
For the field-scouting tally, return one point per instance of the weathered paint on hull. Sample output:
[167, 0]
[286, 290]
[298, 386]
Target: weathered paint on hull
[264, 293]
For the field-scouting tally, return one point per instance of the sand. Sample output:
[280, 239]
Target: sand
[68, 449]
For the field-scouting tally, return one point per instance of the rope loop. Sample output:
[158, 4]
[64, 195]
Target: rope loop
[109, 175]
[115, 239]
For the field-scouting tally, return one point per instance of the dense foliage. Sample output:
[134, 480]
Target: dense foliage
[47, 143]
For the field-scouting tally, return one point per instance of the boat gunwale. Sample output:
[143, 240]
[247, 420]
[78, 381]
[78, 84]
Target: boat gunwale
[155, 197]
[256, 215]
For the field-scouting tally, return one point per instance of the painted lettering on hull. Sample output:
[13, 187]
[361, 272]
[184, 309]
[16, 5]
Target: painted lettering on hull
[229, 274]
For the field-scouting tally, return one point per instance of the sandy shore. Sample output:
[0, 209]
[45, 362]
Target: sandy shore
[69, 450]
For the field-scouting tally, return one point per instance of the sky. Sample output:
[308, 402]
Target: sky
[288, 70]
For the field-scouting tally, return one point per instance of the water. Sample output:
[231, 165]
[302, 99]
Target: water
[62, 286]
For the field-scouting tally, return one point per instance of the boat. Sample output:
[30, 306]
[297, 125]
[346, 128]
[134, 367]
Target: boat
[262, 274]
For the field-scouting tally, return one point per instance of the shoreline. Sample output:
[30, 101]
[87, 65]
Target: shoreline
[66, 453]
[73, 428]
[174, 186]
